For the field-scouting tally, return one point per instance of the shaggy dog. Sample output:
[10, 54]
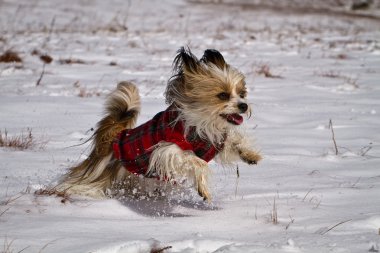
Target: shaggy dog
[206, 99]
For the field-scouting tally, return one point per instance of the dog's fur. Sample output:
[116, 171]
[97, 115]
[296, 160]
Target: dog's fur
[209, 94]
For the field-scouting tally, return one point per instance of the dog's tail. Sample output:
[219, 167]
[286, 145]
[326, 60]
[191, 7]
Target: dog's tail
[95, 174]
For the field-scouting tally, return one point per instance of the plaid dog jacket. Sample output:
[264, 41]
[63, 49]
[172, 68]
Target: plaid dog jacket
[133, 147]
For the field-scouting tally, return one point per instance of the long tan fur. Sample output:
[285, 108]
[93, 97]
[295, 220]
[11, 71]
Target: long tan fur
[209, 94]
[95, 174]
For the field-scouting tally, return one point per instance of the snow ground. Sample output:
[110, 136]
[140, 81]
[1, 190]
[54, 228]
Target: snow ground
[327, 67]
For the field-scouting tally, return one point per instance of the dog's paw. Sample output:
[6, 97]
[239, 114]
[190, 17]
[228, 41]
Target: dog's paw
[250, 157]
[204, 193]
[202, 188]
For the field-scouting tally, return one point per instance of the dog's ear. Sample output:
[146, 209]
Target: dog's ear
[185, 61]
[215, 57]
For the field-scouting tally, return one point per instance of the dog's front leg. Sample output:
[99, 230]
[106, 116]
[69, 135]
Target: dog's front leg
[247, 155]
[238, 146]
[169, 162]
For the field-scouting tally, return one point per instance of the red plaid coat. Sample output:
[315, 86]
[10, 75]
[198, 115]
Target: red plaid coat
[133, 147]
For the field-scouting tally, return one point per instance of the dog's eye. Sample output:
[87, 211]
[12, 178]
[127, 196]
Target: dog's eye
[223, 96]
[242, 94]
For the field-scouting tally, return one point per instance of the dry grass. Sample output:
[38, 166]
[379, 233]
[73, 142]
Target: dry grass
[71, 61]
[333, 137]
[10, 56]
[8, 245]
[22, 141]
[337, 75]
[329, 74]
[65, 197]
[46, 58]
[264, 70]
[351, 81]
[290, 222]
[85, 93]
[7, 248]
[342, 56]
[41, 75]
[332, 227]
[274, 216]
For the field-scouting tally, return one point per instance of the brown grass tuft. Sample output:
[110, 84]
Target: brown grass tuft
[22, 141]
[341, 56]
[329, 74]
[46, 58]
[264, 69]
[10, 56]
[71, 61]
[85, 93]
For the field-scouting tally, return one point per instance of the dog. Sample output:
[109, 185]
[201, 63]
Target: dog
[206, 99]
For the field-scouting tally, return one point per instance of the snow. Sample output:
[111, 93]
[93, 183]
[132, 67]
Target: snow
[324, 202]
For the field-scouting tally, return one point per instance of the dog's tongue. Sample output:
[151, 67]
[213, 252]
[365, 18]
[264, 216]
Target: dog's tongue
[235, 119]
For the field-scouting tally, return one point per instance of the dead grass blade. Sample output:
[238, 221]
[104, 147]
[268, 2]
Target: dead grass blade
[331, 228]
[41, 76]
[3, 212]
[274, 215]
[333, 137]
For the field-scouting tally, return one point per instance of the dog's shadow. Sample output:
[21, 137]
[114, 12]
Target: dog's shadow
[165, 205]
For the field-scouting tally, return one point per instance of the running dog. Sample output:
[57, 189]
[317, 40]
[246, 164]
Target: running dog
[206, 99]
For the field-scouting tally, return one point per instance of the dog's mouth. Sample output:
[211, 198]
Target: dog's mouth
[233, 118]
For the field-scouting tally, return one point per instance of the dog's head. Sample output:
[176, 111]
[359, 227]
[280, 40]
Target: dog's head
[210, 93]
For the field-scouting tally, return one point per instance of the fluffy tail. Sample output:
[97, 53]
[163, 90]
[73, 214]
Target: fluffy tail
[93, 176]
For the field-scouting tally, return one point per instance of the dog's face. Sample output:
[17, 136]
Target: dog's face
[211, 92]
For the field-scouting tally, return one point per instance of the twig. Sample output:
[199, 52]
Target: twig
[340, 223]
[42, 74]
[333, 136]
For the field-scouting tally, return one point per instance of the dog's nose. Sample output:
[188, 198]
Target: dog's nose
[243, 107]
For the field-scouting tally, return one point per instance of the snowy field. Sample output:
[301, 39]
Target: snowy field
[303, 69]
